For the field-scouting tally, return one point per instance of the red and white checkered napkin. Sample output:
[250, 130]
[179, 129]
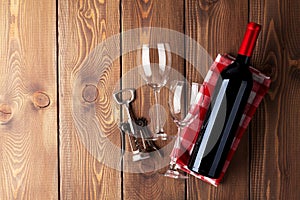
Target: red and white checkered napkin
[188, 137]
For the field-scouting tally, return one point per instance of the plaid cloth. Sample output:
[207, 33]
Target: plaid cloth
[189, 135]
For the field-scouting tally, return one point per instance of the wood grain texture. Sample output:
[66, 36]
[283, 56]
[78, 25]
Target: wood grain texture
[274, 164]
[265, 165]
[28, 132]
[84, 26]
[140, 14]
[218, 26]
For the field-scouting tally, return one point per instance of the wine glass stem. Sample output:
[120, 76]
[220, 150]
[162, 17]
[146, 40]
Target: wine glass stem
[177, 143]
[157, 126]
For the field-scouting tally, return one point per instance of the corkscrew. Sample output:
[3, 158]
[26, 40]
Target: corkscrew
[135, 129]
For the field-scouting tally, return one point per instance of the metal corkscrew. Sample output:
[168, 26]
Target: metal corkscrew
[136, 139]
[136, 129]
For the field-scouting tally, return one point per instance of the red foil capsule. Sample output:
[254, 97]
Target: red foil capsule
[249, 40]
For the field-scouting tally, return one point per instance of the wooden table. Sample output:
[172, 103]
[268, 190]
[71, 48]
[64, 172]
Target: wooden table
[43, 45]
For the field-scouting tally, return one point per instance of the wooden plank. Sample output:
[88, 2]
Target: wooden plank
[147, 182]
[274, 163]
[218, 26]
[88, 128]
[28, 111]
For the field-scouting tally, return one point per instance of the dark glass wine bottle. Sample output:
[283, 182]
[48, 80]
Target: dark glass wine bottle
[225, 111]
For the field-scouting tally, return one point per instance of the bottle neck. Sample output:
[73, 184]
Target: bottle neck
[243, 59]
[249, 40]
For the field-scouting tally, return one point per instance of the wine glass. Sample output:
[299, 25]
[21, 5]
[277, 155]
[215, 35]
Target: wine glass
[182, 99]
[154, 67]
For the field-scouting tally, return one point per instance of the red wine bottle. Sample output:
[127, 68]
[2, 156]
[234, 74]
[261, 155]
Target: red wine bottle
[225, 111]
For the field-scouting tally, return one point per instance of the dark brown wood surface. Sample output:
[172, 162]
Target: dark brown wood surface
[60, 63]
[274, 139]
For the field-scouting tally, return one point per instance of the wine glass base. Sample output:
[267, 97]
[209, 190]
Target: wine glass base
[160, 136]
[173, 173]
[140, 156]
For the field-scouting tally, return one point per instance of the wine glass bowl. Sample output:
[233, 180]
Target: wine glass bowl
[182, 99]
[155, 64]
